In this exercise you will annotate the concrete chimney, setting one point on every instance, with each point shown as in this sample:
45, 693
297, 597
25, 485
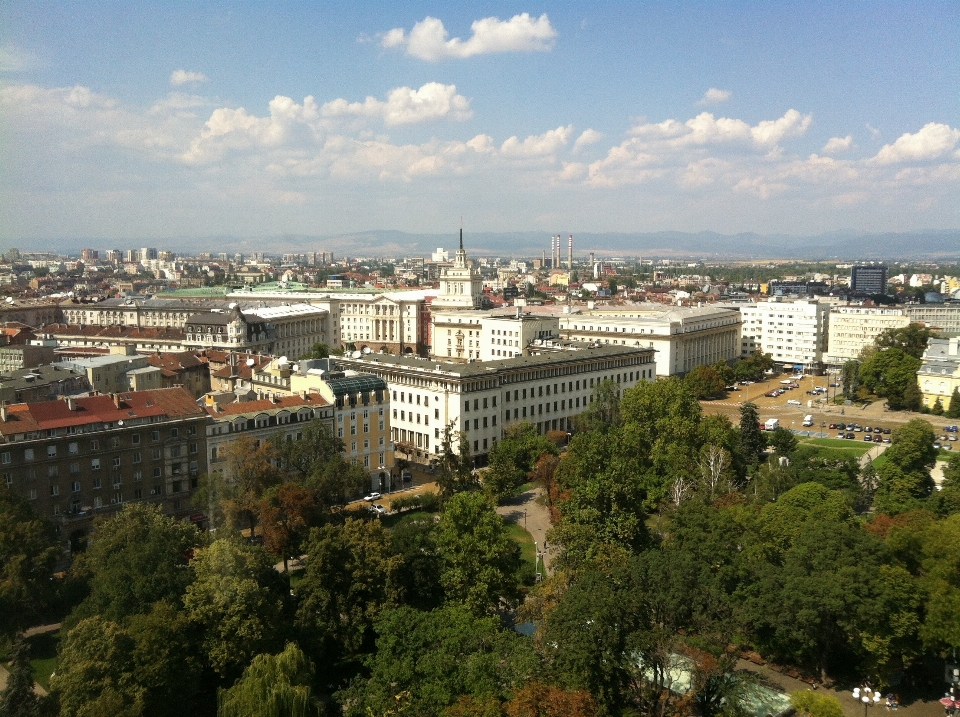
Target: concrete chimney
570, 253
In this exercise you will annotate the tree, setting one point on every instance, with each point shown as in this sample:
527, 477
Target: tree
911, 339
604, 410
479, 560
317, 446
705, 382
95, 673
272, 686
904, 478
455, 470
513, 458
251, 469
851, 379
953, 408
236, 600
940, 556
28, 550
287, 512
937, 408
318, 351
752, 440
18, 698
418, 576
888, 373
537, 699
350, 578
783, 441
138, 557
432, 658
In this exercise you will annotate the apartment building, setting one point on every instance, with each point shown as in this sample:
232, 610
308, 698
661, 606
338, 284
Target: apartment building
548, 388
944, 317
794, 333
854, 328
466, 336
77, 458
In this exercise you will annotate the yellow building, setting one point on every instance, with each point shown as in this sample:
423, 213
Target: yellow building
939, 374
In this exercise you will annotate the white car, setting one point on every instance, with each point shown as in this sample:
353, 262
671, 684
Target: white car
794, 402
372, 497
378, 509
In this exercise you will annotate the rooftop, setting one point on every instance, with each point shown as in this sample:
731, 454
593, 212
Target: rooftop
253, 408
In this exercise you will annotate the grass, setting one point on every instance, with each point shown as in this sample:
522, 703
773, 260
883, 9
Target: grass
833, 446
522, 538
43, 656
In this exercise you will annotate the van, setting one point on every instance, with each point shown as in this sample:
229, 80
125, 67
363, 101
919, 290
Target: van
808, 420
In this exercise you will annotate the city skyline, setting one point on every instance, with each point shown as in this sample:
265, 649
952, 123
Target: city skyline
180, 120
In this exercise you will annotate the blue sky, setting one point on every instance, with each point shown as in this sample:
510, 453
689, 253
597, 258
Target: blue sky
151, 120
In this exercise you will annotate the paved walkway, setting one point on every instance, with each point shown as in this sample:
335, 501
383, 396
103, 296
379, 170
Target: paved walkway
39, 630
529, 511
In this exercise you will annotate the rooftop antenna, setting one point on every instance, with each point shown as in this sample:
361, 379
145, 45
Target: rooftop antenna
461, 232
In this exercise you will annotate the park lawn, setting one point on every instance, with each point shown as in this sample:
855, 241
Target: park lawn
834, 446
43, 656
522, 538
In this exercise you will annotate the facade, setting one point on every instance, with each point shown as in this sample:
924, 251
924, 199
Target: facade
868, 279
683, 337
77, 458
854, 328
108, 374
481, 399
293, 329
361, 405
794, 333
14, 358
41, 383
944, 317
939, 373
229, 329
261, 420
104, 337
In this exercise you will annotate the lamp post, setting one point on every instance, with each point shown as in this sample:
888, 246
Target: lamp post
867, 696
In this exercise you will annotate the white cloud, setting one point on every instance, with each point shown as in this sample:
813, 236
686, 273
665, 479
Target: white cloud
792, 124
713, 96
404, 105
836, 145
929, 142
428, 38
586, 138
540, 145
183, 77
874, 132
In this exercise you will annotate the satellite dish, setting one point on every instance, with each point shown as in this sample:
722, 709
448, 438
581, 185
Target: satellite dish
356, 354
69, 293
283, 360
232, 306
366, 349
250, 362
120, 422
295, 368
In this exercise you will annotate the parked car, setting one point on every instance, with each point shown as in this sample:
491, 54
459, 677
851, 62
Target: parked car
937, 446
407, 476
878, 430
378, 509
850, 436
886, 431
868, 439
842, 426
794, 402
372, 497
877, 439
886, 440
867, 429
832, 426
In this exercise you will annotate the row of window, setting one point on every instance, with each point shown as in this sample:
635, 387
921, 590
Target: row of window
94, 445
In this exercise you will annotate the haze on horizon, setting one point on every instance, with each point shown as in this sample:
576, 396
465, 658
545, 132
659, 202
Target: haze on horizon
150, 120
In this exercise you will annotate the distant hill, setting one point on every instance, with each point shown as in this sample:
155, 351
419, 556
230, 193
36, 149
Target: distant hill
936, 244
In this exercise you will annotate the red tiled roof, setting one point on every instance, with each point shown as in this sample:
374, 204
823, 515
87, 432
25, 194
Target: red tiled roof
45, 415
172, 363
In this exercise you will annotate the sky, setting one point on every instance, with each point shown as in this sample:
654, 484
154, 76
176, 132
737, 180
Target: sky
150, 120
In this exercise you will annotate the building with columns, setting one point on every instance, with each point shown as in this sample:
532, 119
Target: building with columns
461, 286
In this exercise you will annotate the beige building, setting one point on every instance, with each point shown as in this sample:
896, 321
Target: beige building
854, 328
110, 373
939, 373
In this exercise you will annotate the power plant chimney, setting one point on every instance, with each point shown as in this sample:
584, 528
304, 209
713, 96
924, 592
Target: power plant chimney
570, 253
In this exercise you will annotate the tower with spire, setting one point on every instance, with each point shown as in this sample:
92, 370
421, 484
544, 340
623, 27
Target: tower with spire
461, 285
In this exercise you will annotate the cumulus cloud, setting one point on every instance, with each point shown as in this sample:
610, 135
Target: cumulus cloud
428, 38
836, 145
933, 140
713, 96
184, 77
539, 145
586, 138
404, 105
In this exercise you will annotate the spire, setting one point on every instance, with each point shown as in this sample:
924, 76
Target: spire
461, 238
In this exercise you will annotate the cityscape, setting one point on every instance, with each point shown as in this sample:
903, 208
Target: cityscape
313, 410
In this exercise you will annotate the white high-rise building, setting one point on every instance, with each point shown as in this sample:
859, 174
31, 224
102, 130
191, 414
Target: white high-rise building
794, 333
853, 328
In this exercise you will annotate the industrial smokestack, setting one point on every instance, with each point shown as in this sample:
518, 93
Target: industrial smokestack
570, 253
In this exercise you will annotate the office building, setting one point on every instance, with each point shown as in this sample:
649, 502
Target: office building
854, 328
794, 333
868, 279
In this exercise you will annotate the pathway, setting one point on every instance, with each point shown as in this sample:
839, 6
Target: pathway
528, 510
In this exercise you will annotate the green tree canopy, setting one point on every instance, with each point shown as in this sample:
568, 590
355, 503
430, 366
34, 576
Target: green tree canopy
138, 557
479, 560
18, 698
888, 373
752, 440
272, 686
236, 600
783, 441
513, 458
28, 550
911, 339
705, 382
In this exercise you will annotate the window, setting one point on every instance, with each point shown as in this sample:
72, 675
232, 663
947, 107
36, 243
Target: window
156, 472
94, 464
174, 432
155, 435
54, 489
116, 462
52, 471
114, 441
51, 451
75, 486
193, 446
28, 454
96, 483
5, 457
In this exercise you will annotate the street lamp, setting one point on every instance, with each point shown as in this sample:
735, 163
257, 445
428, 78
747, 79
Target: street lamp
867, 696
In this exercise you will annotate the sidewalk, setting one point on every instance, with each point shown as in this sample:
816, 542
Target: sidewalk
528, 511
